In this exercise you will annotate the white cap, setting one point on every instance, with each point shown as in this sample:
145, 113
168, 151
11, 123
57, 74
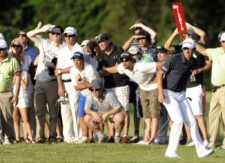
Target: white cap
188, 43
3, 44
70, 31
134, 50
84, 42
222, 38
2, 36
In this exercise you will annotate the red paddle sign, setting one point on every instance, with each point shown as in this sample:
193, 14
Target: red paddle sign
179, 17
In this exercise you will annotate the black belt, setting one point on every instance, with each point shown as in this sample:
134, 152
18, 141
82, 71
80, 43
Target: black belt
68, 80
214, 88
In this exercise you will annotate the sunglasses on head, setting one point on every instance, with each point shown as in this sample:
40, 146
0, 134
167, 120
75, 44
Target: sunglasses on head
16, 46
66, 35
55, 33
94, 89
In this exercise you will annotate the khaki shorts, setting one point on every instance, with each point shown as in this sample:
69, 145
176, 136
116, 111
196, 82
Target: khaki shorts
150, 105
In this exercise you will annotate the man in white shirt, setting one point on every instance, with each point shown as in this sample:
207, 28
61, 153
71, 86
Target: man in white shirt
142, 73
46, 84
65, 86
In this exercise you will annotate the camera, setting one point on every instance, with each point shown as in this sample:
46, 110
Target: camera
63, 99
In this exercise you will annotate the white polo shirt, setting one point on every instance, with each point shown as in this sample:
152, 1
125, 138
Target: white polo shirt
64, 58
88, 74
47, 51
142, 74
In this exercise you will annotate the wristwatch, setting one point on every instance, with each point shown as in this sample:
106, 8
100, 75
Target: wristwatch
59, 72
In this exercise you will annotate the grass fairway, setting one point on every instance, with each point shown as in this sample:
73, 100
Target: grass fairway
99, 153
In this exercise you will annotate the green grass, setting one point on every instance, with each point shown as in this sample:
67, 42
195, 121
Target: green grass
99, 153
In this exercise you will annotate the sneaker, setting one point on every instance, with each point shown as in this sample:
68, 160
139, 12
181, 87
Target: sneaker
205, 153
183, 142
40, 140
189, 143
52, 140
172, 155
100, 138
134, 139
6, 142
59, 139
117, 139
142, 142
205, 143
83, 140
125, 139
110, 140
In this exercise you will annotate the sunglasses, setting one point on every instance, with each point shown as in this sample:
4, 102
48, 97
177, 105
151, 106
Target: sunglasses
125, 60
223, 42
137, 28
2, 49
94, 89
16, 46
66, 35
56, 33
23, 35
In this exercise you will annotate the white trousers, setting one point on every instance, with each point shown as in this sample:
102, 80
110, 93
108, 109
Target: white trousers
180, 112
69, 114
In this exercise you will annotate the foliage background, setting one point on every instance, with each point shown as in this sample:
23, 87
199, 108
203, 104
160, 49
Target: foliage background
92, 17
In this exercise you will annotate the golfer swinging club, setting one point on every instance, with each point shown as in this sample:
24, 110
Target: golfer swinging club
176, 70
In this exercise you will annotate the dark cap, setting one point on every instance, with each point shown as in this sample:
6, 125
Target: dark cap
78, 55
96, 84
161, 49
190, 31
126, 55
102, 37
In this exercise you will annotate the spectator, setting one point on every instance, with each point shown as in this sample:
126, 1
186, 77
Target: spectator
46, 84
65, 87
116, 83
10, 71
106, 109
216, 55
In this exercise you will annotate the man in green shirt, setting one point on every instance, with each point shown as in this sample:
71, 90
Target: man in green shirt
9, 90
217, 104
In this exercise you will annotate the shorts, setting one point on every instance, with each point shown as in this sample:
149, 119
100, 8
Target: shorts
150, 105
24, 102
194, 96
81, 105
122, 93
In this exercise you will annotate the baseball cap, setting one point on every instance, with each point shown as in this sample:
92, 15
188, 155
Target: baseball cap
3, 44
133, 50
84, 42
96, 84
70, 31
190, 31
222, 38
2, 36
78, 55
126, 55
188, 43
102, 37
161, 49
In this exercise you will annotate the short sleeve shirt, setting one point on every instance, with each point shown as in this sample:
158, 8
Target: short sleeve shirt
217, 56
109, 102
48, 51
64, 58
8, 68
177, 71
88, 74
142, 74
